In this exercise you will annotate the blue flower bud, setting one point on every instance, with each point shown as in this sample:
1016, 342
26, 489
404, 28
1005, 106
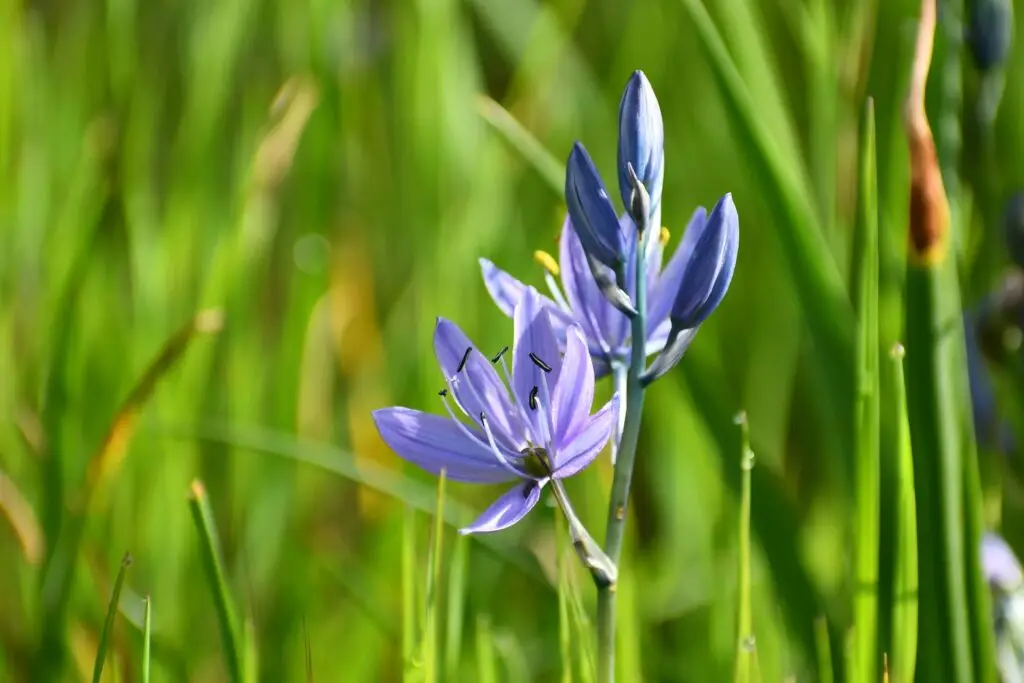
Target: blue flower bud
1014, 227
708, 272
990, 32
641, 142
590, 208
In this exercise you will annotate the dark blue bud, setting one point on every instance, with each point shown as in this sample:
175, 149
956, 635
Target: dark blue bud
1013, 224
708, 273
593, 216
990, 32
641, 141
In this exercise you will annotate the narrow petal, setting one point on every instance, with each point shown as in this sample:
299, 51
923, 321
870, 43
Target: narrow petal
507, 510
533, 335
641, 139
477, 387
503, 288
573, 396
707, 276
580, 449
506, 291
602, 323
659, 303
435, 443
592, 212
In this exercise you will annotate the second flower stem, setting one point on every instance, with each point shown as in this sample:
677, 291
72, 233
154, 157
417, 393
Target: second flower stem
623, 473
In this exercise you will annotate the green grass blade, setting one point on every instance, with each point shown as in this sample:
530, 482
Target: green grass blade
210, 552
524, 142
431, 639
563, 543
904, 607
865, 658
458, 580
745, 654
942, 441
824, 651
409, 610
147, 639
818, 281
486, 658
108, 623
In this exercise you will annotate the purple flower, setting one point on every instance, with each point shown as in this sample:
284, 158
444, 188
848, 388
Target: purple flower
579, 301
532, 428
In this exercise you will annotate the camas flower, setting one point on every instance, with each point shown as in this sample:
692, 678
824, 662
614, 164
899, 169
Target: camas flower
606, 329
536, 428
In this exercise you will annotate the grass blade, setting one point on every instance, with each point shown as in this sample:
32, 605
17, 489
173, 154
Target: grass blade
564, 626
147, 639
818, 281
942, 441
209, 548
745, 655
409, 610
108, 623
486, 659
867, 469
457, 585
431, 639
824, 651
904, 607
524, 142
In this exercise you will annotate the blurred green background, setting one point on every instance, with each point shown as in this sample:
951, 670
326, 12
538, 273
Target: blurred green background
226, 229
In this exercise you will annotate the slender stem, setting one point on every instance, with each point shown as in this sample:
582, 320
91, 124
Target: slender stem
619, 500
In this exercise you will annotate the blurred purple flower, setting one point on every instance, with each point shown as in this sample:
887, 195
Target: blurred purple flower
1001, 567
543, 430
606, 329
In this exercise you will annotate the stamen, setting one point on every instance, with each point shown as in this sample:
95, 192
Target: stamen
523, 418
494, 447
533, 398
664, 236
546, 419
462, 427
539, 363
465, 357
556, 293
547, 261
501, 353
443, 393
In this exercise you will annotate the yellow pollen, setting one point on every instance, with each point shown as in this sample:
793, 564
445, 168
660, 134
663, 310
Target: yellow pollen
665, 234
547, 261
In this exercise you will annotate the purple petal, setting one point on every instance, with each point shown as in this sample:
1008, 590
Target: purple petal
998, 562
503, 288
435, 443
507, 510
506, 291
477, 387
599, 318
580, 449
573, 396
533, 335
659, 303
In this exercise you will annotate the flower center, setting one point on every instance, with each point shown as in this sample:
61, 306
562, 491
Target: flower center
536, 461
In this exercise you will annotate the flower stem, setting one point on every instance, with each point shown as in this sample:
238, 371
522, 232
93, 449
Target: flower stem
623, 475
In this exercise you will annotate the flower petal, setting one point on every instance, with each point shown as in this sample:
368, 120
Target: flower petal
600, 320
579, 450
573, 396
659, 302
435, 443
506, 291
476, 387
507, 510
503, 288
533, 335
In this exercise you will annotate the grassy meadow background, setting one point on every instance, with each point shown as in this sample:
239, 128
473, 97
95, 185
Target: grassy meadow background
226, 229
